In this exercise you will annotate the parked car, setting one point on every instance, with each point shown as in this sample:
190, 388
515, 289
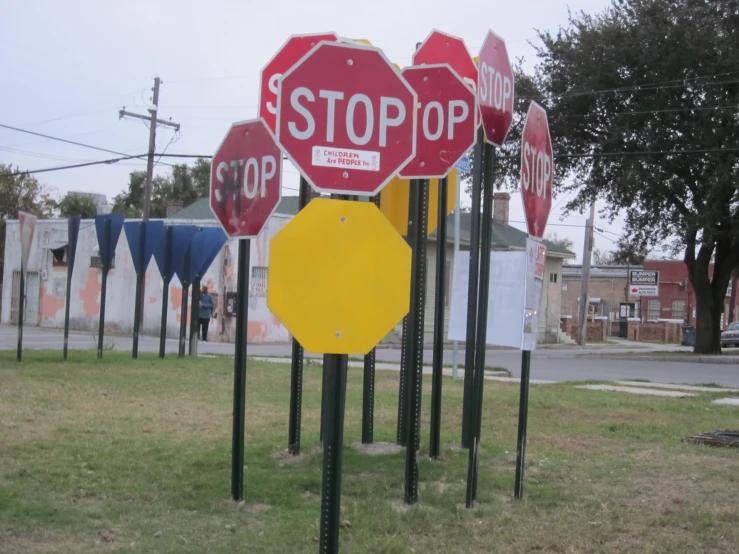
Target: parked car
730, 337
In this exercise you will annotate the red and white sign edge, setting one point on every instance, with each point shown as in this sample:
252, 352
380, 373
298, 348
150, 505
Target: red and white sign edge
536, 106
474, 108
277, 53
513, 83
466, 81
279, 167
27, 229
353, 46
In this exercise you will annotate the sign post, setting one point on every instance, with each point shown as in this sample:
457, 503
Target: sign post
170, 257
142, 237
459, 120
537, 176
108, 228
495, 102
73, 232
346, 119
245, 188
27, 224
322, 262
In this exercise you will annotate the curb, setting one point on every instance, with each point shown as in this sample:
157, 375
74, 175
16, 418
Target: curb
676, 359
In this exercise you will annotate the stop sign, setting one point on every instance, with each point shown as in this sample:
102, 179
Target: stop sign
245, 179
445, 128
495, 89
346, 118
289, 53
537, 170
440, 47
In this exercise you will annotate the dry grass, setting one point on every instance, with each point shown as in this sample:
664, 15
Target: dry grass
123, 456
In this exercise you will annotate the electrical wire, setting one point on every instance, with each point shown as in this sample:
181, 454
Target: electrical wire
86, 164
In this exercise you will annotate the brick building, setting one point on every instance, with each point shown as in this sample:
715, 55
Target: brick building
676, 298
608, 288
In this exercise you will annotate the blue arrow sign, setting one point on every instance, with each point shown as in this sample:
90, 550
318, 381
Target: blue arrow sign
107, 248
153, 239
463, 164
206, 244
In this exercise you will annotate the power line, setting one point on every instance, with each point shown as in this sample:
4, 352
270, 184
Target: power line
86, 164
675, 110
67, 141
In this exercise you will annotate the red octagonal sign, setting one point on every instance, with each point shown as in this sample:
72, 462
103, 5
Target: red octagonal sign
495, 89
288, 55
537, 170
440, 47
346, 118
245, 179
446, 127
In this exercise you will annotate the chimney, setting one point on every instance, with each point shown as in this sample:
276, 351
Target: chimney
501, 200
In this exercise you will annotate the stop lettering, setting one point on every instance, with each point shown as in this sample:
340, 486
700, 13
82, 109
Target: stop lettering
537, 170
445, 129
495, 89
346, 118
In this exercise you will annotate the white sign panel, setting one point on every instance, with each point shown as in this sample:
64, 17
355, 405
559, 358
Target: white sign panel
514, 299
643, 282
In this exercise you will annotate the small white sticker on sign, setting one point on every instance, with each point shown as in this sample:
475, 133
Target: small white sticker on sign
343, 158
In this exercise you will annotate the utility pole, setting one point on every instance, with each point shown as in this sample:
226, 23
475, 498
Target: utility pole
153, 122
587, 254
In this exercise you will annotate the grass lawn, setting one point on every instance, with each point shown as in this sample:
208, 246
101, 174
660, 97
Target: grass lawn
134, 456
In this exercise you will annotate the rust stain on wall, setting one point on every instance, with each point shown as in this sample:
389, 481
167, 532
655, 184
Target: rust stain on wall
90, 293
175, 301
50, 304
256, 331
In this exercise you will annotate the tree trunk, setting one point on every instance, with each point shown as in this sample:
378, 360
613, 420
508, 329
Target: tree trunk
708, 310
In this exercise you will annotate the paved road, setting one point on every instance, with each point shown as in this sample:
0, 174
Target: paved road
555, 364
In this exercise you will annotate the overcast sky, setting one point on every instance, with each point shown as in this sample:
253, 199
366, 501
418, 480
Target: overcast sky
68, 67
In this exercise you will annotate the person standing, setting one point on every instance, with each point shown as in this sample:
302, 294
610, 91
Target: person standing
206, 312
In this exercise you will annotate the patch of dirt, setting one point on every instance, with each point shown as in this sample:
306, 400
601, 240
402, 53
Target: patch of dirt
283, 457
400, 506
242, 506
378, 448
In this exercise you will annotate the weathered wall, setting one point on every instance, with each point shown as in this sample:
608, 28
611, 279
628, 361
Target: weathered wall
86, 284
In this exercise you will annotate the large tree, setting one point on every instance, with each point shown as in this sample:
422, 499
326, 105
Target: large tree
78, 204
21, 192
184, 185
642, 104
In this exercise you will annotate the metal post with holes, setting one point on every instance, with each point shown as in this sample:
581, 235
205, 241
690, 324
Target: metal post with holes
419, 194
165, 289
139, 300
523, 416
21, 310
334, 400
439, 310
183, 310
368, 388
470, 346
103, 290
368, 399
296, 367
73, 230
404, 344
482, 313
239, 404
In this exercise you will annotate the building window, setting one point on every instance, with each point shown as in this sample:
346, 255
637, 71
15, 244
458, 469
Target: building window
552, 277
97, 262
258, 282
678, 309
653, 313
564, 286
59, 257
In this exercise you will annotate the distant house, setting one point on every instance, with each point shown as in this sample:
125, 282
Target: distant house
47, 277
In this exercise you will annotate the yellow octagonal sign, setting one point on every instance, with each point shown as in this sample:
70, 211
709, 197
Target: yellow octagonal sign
339, 277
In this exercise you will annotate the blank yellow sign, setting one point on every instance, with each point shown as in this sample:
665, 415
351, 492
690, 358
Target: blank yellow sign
394, 202
339, 277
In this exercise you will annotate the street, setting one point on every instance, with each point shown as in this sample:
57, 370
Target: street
553, 364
